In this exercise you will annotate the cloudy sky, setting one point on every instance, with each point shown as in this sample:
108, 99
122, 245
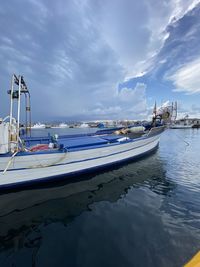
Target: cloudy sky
100, 59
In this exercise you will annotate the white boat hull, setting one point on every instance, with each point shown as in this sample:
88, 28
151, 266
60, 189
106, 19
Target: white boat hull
30, 169
181, 126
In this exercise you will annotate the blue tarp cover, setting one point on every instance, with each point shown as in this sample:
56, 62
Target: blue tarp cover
76, 142
81, 142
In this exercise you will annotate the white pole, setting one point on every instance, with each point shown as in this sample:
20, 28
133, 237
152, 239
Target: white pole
11, 110
11, 99
18, 111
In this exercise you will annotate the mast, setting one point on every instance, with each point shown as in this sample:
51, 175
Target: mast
15, 94
154, 115
174, 111
155, 109
18, 109
26, 92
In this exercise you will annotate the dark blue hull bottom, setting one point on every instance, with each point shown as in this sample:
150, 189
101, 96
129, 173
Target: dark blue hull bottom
59, 180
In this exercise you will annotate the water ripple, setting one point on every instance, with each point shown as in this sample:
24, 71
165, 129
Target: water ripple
146, 213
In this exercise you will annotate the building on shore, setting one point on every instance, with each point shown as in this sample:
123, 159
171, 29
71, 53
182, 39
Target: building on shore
193, 122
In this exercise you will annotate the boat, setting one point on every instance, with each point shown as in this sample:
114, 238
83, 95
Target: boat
179, 126
26, 160
38, 126
83, 125
184, 123
48, 126
61, 125
196, 126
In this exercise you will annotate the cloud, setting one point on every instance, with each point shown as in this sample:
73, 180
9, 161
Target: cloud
137, 39
129, 103
192, 110
73, 54
181, 8
187, 78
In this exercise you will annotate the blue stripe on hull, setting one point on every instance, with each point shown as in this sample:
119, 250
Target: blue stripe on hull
62, 177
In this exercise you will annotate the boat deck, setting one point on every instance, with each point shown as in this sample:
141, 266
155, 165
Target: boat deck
85, 141
74, 143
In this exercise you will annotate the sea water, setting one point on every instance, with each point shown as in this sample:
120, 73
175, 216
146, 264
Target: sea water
145, 213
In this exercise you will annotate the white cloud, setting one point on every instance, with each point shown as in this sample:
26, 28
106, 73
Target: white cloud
132, 95
136, 31
187, 78
75, 53
129, 103
182, 7
193, 111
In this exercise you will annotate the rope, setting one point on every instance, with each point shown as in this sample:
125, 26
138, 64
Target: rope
182, 139
9, 162
40, 165
48, 165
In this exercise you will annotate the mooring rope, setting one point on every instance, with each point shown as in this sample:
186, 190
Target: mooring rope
180, 137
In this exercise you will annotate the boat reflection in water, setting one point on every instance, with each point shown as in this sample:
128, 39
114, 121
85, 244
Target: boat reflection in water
22, 213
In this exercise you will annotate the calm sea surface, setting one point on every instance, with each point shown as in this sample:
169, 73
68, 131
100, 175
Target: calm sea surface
146, 213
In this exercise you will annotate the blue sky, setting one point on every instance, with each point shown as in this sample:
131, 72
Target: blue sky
99, 59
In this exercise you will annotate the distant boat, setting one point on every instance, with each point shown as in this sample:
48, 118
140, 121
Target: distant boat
38, 126
84, 125
101, 125
63, 125
180, 126
183, 123
197, 126
29, 160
